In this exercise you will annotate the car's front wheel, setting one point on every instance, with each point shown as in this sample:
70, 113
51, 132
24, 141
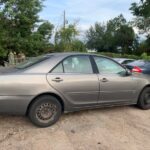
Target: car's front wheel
144, 100
45, 111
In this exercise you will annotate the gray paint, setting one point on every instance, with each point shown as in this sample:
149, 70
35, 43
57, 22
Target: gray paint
78, 91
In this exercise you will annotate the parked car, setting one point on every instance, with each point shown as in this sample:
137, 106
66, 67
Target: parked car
123, 60
140, 66
45, 87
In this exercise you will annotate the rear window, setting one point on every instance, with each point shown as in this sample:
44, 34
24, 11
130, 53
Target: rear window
127, 61
32, 61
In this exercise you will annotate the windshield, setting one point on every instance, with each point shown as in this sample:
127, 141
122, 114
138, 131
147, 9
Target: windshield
127, 61
32, 61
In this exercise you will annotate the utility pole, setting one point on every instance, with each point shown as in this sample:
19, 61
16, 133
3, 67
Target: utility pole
64, 19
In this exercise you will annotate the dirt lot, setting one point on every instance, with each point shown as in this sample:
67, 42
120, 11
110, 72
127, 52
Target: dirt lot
119, 128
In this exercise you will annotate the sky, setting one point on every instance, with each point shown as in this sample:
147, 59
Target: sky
85, 12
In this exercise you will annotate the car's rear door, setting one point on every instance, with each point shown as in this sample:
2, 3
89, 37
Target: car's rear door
75, 80
115, 85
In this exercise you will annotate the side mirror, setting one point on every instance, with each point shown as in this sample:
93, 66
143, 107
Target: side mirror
128, 72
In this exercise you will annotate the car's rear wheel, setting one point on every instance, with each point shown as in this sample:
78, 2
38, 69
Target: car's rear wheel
144, 100
45, 111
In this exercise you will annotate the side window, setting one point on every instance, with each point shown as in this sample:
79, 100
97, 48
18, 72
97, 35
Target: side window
108, 66
58, 69
77, 64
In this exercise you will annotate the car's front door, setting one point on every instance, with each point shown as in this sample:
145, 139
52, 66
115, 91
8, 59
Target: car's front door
74, 79
115, 85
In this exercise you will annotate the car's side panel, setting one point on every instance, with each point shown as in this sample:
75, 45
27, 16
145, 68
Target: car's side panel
14, 104
78, 89
117, 88
17, 91
142, 82
23, 84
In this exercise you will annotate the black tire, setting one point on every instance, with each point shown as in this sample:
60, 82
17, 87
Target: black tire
45, 111
144, 100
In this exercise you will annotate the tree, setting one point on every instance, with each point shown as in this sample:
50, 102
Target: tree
95, 37
142, 12
125, 37
45, 29
143, 47
142, 21
65, 38
115, 23
108, 37
20, 29
38, 42
113, 27
78, 45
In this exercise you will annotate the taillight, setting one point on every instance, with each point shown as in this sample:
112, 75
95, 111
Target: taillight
137, 69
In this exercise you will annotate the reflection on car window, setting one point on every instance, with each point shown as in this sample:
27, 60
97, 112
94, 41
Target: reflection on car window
108, 66
74, 64
77, 64
58, 69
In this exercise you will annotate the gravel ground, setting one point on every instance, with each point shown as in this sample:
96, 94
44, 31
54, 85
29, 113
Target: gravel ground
119, 128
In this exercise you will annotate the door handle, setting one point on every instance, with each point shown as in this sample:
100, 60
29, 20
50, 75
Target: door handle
104, 80
57, 79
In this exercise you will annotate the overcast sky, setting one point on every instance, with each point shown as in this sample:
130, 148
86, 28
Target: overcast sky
87, 12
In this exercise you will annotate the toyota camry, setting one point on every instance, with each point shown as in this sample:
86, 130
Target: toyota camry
44, 87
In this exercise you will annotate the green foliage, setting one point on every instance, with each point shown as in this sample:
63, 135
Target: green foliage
45, 29
95, 37
142, 12
144, 56
78, 46
109, 37
115, 55
142, 48
22, 30
19, 30
65, 39
125, 37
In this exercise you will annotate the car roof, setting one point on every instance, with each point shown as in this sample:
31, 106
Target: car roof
123, 59
73, 53
48, 64
139, 62
68, 53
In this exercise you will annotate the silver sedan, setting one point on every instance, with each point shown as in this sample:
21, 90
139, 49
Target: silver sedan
44, 87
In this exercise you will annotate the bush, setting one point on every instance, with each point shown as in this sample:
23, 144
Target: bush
144, 56
116, 55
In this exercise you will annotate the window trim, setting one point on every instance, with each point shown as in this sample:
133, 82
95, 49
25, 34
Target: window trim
97, 70
90, 59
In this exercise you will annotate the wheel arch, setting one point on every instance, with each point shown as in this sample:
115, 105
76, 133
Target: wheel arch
148, 85
43, 94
